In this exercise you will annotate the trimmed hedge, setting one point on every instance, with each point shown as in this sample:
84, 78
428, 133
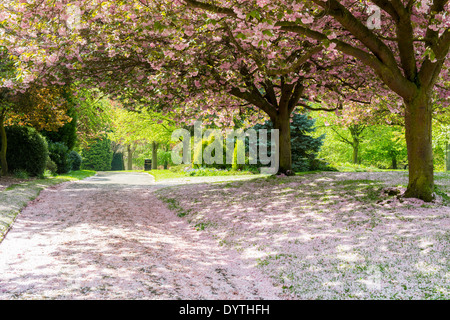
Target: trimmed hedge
27, 150
59, 154
76, 160
117, 162
98, 156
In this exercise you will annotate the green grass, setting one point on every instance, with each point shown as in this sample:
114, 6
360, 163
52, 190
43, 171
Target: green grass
173, 205
76, 175
168, 174
14, 198
165, 174
351, 167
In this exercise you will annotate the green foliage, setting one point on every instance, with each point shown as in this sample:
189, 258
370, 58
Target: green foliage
75, 159
379, 146
441, 139
141, 126
351, 167
66, 134
21, 174
93, 115
51, 166
59, 154
385, 147
144, 151
199, 154
208, 172
235, 165
181, 168
117, 162
164, 158
27, 150
97, 156
304, 145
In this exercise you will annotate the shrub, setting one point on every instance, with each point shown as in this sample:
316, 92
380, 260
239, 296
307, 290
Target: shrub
59, 154
27, 150
117, 162
21, 174
304, 146
76, 160
321, 165
98, 156
180, 168
164, 158
51, 166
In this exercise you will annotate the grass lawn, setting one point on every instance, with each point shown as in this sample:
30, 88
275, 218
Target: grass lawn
161, 175
165, 174
329, 235
16, 196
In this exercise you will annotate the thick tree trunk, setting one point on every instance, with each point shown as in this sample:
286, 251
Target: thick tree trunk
447, 156
129, 157
355, 156
283, 124
394, 163
154, 156
419, 144
4, 163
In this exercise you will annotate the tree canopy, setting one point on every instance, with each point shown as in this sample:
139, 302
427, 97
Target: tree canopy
221, 58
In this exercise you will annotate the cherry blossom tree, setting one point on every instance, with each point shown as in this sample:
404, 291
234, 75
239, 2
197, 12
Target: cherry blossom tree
215, 58
42, 108
217, 66
404, 43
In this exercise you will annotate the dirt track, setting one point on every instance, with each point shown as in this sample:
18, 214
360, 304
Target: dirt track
109, 237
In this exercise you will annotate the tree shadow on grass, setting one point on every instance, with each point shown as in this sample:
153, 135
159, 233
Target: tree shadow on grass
325, 237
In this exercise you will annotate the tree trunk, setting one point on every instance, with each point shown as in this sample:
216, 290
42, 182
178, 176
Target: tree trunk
355, 156
283, 124
129, 157
4, 163
154, 156
419, 144
447, 156
394, 163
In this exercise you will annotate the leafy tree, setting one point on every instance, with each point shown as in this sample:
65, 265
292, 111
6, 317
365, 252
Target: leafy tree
37, 106
93, 114
255, 54
408, 52
354, 138
385, 146
140, 127
305, 146
66, 134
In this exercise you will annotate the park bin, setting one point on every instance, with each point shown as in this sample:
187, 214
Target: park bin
148, 164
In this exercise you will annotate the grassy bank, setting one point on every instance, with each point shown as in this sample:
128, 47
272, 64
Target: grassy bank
15, 197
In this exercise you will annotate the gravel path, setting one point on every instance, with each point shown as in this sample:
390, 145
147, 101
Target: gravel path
109, 237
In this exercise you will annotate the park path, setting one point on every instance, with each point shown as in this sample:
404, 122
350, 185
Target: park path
109, 237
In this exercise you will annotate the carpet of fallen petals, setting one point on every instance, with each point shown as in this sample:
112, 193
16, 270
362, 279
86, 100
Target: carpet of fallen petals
109, 237
329, 235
